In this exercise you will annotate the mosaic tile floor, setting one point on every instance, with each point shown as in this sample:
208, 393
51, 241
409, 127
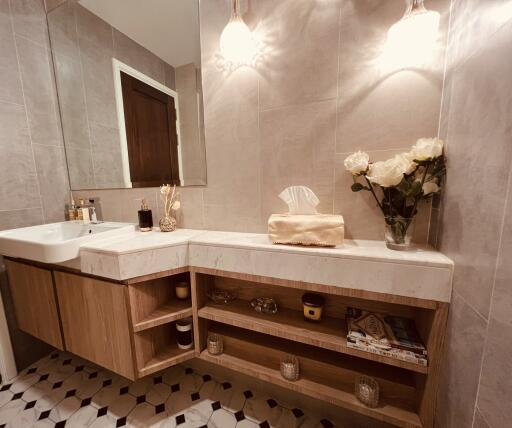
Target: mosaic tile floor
62, 390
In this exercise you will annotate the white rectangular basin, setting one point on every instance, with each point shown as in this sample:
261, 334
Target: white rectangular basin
56, 242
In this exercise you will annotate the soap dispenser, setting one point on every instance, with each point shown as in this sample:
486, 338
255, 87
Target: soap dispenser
145, 217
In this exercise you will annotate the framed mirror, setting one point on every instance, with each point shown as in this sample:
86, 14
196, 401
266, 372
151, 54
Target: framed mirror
128, 76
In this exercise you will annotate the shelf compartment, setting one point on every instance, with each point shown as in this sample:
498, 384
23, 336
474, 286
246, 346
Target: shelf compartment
169, 312
156, 349
290, 324
325, 375
153, 302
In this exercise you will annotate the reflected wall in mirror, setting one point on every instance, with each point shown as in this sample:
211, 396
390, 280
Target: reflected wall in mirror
128, 77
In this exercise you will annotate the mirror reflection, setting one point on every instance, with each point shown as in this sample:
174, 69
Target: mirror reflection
128, 77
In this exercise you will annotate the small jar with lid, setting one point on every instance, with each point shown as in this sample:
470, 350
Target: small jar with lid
182, 290
313, 306
184, 335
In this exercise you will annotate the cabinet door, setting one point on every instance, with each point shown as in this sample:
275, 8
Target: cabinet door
34, 300
95, 321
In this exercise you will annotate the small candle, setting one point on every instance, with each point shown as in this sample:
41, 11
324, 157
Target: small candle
182, 291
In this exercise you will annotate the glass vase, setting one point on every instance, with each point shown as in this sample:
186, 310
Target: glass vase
398, 232
167, 224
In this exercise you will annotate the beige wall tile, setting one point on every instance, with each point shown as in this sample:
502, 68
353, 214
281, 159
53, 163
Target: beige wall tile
20, 218
94, 30
473, 23
52, 175
495, 386
39, 91
464, 348
297, 148
52, 4
81, 171
300, 63
62, 27
383, 108
131, 53
480, 422
474, 202
10, 83
29, 20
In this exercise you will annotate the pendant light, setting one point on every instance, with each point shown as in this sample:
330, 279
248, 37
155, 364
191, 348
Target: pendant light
416, 33
237, 44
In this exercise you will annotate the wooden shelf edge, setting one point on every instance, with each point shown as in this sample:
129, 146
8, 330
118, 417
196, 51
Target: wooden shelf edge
322, 340
154, 321
390, 414
153, 367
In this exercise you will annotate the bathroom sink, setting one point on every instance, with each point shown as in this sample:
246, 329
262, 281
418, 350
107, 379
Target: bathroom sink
56, 242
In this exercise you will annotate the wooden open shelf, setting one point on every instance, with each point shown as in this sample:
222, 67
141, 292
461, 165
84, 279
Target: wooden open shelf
325, 375
156, 349
290, 324
168, 312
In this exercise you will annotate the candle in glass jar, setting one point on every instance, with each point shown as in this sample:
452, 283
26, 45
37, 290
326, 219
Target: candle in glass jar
182, 291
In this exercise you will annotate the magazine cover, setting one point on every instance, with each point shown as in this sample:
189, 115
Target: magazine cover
385, 334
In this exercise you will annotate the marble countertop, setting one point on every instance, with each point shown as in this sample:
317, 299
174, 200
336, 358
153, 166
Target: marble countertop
420, 272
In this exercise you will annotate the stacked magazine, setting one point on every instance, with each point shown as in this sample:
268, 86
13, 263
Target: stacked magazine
386, 335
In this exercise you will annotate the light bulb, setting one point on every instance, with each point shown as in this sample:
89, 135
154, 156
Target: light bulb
237, 44
412, 39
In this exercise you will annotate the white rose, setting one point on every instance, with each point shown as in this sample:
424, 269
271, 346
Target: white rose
407, 162
357, 162
427, 148
388, 173
176, 205
430, 187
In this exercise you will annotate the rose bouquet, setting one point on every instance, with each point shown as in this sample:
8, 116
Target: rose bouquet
399, 184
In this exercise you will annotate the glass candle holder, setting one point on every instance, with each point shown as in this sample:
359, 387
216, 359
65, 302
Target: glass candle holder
215, 345
290, 369
367, 391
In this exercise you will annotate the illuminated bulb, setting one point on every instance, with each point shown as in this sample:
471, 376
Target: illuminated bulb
237, 43
412, 39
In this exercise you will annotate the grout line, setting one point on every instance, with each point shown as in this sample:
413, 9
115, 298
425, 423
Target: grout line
496, 269
292, 105
336, 112
20, 209
26, 113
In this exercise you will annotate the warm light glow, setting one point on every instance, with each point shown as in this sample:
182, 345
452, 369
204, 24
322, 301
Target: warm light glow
237, 43
411, 41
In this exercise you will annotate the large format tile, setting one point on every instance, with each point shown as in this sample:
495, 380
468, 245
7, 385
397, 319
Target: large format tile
463, 356
20, 189
63, 31
301, 46
39, 90
381, 108
495, 386
473, 202
473, 23
52, 174
297, 147
131, 53
29, 19
10, 84
94, 30
20, 218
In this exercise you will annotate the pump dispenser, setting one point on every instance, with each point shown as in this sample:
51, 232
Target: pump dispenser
145, 217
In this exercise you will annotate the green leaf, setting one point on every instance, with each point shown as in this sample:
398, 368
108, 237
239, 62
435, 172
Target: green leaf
416, 188
357, 187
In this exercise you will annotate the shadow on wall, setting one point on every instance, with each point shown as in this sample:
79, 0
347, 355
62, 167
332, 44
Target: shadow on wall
27, 349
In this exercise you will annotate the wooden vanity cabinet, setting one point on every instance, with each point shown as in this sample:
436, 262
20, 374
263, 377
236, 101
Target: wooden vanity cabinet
35, 304
95, 321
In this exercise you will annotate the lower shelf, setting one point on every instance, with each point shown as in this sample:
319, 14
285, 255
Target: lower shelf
387, 413
166, 357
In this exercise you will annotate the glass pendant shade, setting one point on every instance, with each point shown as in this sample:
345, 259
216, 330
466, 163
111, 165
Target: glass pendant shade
236, 41
416, 32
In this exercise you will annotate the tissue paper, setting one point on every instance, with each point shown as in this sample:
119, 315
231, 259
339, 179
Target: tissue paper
300, 200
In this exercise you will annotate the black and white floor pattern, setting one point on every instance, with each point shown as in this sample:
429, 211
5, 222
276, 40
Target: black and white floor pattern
62, 390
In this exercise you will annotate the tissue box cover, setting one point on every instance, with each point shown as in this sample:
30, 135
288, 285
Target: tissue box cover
323, 230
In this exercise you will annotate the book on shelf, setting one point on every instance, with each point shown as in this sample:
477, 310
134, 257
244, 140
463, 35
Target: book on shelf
386, 335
